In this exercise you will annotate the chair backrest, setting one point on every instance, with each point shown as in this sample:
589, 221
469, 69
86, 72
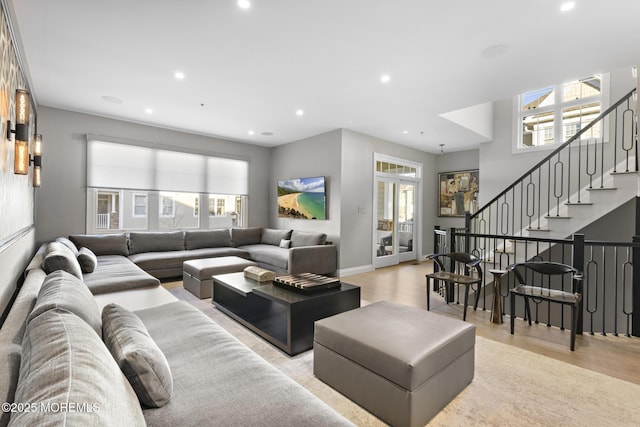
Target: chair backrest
548, 268
467, 260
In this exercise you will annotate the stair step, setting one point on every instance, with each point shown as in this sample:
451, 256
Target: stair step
578, 204
557, 217
537, 229
601, 188
624, 173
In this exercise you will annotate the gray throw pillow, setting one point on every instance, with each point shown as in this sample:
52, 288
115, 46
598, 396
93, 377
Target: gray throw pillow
58, 256
273, 237
285, 244
63, 290
68, 243
139, 357
87, 259
65, 364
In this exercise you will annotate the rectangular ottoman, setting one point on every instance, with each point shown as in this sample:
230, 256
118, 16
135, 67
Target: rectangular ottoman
197, 273
403, 364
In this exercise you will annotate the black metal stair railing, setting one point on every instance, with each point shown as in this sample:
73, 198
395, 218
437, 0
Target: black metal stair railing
607, 144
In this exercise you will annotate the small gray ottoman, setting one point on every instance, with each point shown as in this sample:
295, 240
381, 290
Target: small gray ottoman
403, 364
197, 273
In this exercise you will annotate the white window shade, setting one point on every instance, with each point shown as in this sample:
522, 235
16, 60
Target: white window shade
119, 166
115, 165
227, 176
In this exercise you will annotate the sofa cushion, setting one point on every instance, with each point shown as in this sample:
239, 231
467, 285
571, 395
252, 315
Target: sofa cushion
273, 237
87, 259
207, 239
68, 243
246, 236
117, 273
138, 356
307, 238
102, 244
58, 256
63, 290
65, 364
156, 242
218, 380
268, 254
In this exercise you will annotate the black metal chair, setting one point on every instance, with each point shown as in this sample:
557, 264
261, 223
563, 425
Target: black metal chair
461, 262
534, 289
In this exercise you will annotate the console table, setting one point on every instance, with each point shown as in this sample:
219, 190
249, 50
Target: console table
282, 317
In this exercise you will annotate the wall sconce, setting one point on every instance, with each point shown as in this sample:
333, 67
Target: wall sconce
21, 154
37, 160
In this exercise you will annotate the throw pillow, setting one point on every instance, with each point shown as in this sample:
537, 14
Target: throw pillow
64, 363
63, 290
138, 356
286, 244
87, 259
68, 243
57, 256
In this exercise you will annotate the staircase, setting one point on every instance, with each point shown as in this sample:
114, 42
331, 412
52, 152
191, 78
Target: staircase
587, 177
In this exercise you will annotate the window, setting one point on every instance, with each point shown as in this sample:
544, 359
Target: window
167, 206
139, 205
162, 189
555, 114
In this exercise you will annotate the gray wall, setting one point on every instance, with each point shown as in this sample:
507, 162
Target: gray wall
450, 162
61, 201
13, 260
315, 156
356, 226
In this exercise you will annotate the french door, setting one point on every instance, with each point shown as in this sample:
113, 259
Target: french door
395, 234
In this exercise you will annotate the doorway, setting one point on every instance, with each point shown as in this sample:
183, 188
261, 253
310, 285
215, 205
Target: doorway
396, 211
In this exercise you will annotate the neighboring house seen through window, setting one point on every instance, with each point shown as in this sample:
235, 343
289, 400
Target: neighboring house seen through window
555, 114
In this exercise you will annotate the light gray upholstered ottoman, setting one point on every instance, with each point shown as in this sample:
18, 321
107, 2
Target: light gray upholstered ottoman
401, 363
197, 273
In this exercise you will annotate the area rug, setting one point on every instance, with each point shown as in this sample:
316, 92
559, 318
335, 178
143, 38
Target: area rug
511, 386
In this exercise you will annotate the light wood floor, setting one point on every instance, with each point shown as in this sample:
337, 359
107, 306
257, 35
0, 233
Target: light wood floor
405, 284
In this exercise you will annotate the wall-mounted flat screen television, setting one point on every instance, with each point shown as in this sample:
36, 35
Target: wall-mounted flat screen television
302, 198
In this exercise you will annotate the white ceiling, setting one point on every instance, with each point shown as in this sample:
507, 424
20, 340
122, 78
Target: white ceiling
252, 69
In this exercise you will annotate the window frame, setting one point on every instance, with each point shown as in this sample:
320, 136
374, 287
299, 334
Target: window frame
134, 205
557, 109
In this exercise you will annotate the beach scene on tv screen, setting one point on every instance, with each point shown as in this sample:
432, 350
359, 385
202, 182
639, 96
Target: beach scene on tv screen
302, 198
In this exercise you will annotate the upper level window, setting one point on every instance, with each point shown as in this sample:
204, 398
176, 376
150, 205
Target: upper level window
555, 114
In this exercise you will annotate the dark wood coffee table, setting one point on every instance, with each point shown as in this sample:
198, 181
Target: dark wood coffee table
282, 317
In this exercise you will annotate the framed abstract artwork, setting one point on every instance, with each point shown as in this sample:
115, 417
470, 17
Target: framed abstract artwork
458, 192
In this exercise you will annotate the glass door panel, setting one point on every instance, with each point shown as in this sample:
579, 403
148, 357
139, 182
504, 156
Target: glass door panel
386, 207
406, 214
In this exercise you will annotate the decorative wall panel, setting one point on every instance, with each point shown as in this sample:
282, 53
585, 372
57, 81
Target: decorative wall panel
16, 191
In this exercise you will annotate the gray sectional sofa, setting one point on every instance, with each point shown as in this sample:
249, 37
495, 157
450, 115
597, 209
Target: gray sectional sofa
161, 254
59, 363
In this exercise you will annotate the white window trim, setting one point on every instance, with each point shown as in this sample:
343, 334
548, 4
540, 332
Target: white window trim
557, 108
146, 205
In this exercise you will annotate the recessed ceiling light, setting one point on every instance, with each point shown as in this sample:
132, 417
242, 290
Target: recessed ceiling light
299, 112
244, 4
405, 132
385, 78
179, 75
148, 111
567, 6
112, 99
251, 132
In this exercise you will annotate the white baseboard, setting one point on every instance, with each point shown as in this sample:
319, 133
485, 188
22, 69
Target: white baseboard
355, 270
